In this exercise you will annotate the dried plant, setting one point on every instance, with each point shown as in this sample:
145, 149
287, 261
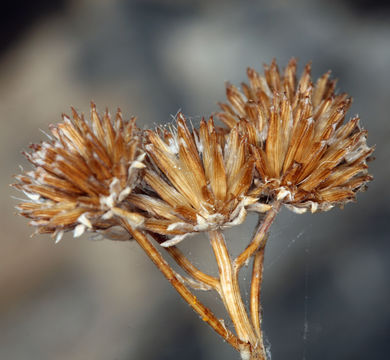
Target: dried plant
285, 143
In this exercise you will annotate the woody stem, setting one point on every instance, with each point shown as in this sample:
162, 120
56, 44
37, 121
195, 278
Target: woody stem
204, 312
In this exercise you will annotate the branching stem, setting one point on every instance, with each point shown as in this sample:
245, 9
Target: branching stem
249, 341
204, 312
229, 288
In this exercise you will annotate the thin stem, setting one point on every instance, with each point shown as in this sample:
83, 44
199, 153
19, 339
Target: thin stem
257, 278
182, 261
204, 312
192, 270
258, 239
257, 248
193, 284
230, 291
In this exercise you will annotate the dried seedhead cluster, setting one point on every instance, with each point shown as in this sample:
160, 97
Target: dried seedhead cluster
285, 141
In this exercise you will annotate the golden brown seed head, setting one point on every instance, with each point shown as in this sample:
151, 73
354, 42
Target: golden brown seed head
306, 155
196, 181
84, 170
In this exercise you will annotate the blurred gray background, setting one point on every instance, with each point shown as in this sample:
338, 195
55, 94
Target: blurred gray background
326, 293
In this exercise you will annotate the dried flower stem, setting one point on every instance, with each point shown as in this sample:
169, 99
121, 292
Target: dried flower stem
257, 278
197, 274
258, 243
204, 312
187, 265
258, 239
230, 293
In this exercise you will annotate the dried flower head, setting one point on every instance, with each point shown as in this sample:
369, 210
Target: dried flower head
80, 174
306, 156
198, 181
